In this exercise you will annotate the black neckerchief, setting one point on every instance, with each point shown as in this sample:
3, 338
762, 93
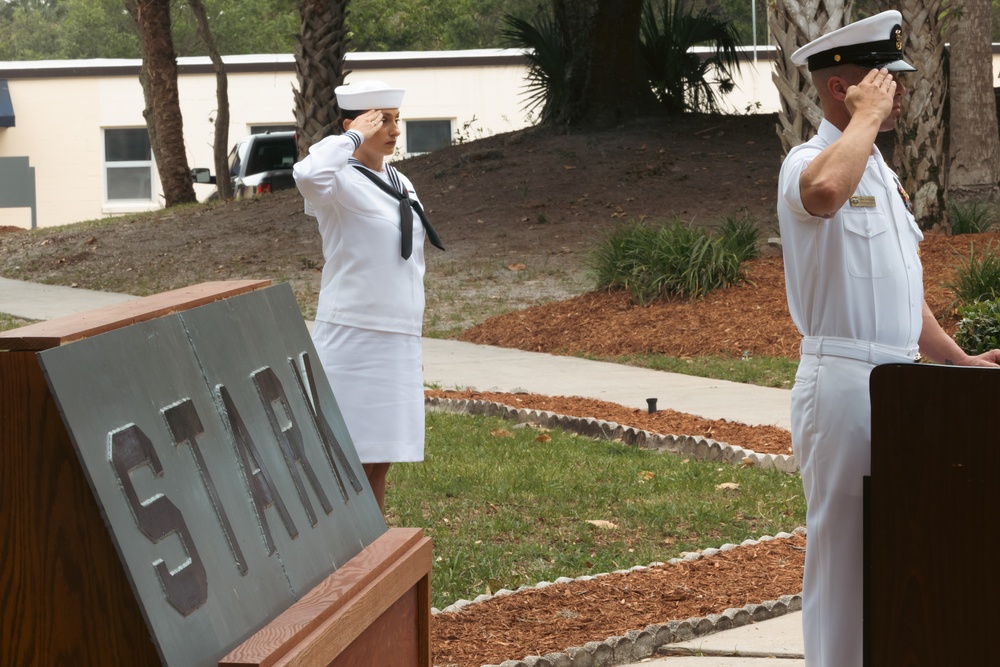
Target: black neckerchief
406, 208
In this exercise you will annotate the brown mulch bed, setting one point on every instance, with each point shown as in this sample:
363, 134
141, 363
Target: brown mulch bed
751, 317
552, 619
761, 439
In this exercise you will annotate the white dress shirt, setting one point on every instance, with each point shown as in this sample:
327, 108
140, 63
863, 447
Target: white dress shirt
857, 274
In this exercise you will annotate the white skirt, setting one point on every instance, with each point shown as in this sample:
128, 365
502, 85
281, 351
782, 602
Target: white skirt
377, 379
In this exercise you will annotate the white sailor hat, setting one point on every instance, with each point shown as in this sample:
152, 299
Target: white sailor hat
874, 42
366, 95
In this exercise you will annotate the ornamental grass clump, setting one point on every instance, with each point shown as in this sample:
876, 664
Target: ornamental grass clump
977, 278
979, 329
741, 236
974, 217
674, 260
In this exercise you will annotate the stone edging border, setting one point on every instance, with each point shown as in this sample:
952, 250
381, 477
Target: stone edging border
687, 445
638, 644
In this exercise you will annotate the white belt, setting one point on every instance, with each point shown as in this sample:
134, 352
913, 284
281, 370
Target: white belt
873, 353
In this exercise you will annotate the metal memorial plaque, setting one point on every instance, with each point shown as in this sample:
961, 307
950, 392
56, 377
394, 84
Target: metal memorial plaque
215, 448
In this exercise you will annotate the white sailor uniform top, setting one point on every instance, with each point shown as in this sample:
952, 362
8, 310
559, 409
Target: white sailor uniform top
365, 283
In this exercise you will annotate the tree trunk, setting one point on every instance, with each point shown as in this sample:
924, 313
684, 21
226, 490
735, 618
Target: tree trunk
793, 24
617, 86
575, 21
974, 143
163, 109
607, 77
920, 158
220, 147
319, 67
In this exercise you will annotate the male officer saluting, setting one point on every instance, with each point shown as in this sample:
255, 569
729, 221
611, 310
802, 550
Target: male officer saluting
855, 291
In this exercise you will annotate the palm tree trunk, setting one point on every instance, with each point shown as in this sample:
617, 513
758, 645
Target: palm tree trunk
575, 21
974, 143
319, 67
618, 87
793, 24
163, 109
920, 158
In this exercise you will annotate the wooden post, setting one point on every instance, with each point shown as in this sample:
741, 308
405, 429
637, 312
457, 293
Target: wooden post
373, 611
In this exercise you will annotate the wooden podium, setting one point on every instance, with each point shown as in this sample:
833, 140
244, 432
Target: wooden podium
931, 540
69, 593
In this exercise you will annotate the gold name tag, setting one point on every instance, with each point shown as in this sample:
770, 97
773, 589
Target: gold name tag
863, 202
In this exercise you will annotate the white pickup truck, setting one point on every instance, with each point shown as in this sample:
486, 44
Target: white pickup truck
258, 164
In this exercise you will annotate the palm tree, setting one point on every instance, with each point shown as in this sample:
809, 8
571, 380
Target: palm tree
319, 66
680, 77
548, 63
163, 108
596, 61
794, 24
920, 158
974, 145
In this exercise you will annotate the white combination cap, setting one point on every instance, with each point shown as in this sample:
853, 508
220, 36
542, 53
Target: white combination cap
874, 42
366, 95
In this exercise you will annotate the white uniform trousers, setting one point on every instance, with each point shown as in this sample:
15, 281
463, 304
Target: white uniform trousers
831, 438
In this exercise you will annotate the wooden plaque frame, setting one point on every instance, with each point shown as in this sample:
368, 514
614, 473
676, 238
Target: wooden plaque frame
929, 541
66, 596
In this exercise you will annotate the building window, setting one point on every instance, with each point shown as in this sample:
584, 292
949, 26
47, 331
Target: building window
128, 165
424, 136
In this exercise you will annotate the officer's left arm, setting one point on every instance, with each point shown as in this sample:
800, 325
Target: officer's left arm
938, 346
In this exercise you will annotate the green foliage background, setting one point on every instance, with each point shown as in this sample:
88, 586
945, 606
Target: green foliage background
69, 29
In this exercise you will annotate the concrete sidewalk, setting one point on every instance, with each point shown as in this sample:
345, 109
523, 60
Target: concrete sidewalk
457, 365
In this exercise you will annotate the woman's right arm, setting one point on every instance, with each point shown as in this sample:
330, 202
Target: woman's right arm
315, 175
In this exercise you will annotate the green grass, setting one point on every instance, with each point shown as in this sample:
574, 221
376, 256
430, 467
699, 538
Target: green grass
506, 508
8, 322
764, 371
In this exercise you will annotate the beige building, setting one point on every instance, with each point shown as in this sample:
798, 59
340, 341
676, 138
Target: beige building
73, 143
73, 139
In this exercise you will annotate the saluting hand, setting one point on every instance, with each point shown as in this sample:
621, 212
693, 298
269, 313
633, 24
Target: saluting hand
874, 94
367, 123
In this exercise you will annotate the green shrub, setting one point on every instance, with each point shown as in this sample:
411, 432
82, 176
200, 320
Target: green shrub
681, 79
978, 277
741, 236
973, 217
979, 328
548, 77
673, 260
